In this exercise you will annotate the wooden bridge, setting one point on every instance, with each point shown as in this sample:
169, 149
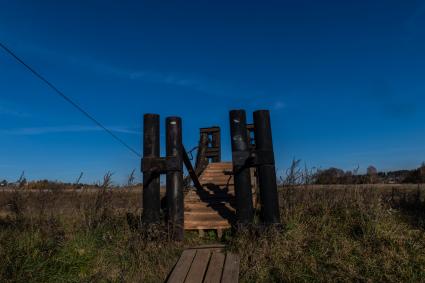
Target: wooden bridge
213, 206
208, 264
223, 193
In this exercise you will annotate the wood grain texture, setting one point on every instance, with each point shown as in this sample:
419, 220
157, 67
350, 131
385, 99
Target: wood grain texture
231, 269
213, 206
215, 268
182, 267
206, 263
199, 266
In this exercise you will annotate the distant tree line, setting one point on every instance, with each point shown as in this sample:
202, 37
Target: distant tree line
107, 182
301, 175
372, 176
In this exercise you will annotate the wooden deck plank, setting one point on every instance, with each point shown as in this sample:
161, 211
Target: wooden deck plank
199, 266
231, 269
213, 207
215, 268
209, 246
211, 214
197, 225
182, 267
201, 206
207, 263
205, 205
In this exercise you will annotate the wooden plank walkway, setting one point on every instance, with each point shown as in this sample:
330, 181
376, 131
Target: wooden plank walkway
213, 207
208, 264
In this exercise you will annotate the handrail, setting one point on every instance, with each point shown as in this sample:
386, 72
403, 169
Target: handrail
190, 169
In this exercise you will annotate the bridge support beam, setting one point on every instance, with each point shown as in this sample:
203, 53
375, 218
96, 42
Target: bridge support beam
151, 185
174, 178
266, 170
242, 174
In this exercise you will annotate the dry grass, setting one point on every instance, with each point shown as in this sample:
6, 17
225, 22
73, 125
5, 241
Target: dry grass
339, 235
328, 234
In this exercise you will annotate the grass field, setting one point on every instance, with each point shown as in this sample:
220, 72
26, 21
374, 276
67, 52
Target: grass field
345, 233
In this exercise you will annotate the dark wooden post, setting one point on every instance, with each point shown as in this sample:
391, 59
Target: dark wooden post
174, 179
201, 160
216, 143
242, 175
266, 170
151, 185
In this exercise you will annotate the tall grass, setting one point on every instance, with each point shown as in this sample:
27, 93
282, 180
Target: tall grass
328, 234
338, 235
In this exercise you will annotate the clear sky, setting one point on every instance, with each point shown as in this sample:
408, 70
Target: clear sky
344, 80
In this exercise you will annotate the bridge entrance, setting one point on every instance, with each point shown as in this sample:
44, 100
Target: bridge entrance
216, 194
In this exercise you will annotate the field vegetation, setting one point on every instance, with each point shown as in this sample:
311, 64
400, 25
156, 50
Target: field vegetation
330, 233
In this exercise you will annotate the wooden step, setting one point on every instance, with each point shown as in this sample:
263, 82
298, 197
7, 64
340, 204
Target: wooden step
210, 195
202, 214
226, 171
211, 191
216, 178
208, 218
223, 212
211, 200
189, 206
226, 179
200, 205
202, 225
220, 164
213, 207
220, 183
206, 197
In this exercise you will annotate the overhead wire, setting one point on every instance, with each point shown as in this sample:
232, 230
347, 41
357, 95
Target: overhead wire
68, 99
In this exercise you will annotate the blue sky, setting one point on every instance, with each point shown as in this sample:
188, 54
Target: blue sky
344, 80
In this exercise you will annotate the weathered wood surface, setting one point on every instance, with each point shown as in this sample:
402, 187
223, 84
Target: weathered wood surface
213, 206
215, 269
231, 269
182, 267
199, 266
209, 264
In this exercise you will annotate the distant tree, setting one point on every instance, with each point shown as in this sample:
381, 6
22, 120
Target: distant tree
348, 178
3, 183
372, 174
330, 176
400, 176
416, 176
371, 170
